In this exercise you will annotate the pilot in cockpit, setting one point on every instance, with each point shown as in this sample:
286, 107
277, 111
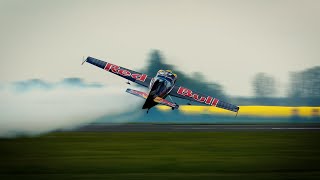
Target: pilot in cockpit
167, 74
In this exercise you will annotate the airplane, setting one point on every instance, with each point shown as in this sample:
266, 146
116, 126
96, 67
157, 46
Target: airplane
160, 86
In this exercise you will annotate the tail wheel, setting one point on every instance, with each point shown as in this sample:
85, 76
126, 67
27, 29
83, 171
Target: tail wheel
177, 107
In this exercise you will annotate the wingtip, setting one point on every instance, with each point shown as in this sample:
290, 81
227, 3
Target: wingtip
238, 108
84, 60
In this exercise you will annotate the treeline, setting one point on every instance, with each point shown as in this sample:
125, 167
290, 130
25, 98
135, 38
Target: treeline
303, 89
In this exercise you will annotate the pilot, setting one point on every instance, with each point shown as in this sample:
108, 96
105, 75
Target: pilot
171, 75
168, 74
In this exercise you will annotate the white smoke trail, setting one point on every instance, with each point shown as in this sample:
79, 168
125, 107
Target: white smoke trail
39, 111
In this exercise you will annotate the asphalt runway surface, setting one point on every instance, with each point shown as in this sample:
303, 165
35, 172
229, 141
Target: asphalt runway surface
194, 128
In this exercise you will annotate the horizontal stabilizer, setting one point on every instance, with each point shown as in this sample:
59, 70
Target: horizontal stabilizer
166, 102
137, 93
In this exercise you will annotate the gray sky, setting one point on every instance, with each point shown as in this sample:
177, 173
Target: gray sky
229, 41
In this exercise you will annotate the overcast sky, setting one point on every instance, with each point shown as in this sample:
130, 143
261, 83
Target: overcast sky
229, 41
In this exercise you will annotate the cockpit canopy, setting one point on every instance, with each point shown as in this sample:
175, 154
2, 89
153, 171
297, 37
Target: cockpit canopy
167, 74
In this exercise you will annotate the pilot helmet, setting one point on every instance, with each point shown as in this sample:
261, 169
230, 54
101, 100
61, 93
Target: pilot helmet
160, 71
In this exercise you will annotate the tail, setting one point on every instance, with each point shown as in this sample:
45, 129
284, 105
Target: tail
166, 103
137, 93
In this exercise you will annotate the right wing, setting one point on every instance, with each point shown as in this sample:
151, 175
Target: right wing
133, 76
185, 93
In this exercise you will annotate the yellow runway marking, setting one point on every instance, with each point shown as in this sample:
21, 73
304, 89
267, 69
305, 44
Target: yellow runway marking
264, 111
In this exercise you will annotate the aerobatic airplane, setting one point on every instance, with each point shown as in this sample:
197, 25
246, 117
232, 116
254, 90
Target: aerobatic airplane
160, 86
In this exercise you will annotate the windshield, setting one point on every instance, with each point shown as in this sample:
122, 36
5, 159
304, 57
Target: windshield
168, 75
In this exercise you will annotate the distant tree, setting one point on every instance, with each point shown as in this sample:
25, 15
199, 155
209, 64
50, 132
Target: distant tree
156, 62
263, 85
198, 75
305, 84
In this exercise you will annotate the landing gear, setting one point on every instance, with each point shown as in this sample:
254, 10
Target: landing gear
174, 103
147, 111
177, 106
189, 103
128, 82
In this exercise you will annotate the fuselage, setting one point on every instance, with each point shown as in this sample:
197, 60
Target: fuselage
160, 86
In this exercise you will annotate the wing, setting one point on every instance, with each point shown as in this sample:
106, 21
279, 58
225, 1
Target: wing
185, 93
133, 76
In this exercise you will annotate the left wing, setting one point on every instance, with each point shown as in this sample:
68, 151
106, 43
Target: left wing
185, 93
133, 76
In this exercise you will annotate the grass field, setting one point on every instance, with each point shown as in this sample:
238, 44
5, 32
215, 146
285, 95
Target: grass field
174, 155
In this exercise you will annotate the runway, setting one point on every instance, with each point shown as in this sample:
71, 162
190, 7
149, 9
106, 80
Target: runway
194, 128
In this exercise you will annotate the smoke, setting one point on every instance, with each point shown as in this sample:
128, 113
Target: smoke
35, 106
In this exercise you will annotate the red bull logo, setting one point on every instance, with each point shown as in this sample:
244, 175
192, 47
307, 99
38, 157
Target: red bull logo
188, 93
122, 72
